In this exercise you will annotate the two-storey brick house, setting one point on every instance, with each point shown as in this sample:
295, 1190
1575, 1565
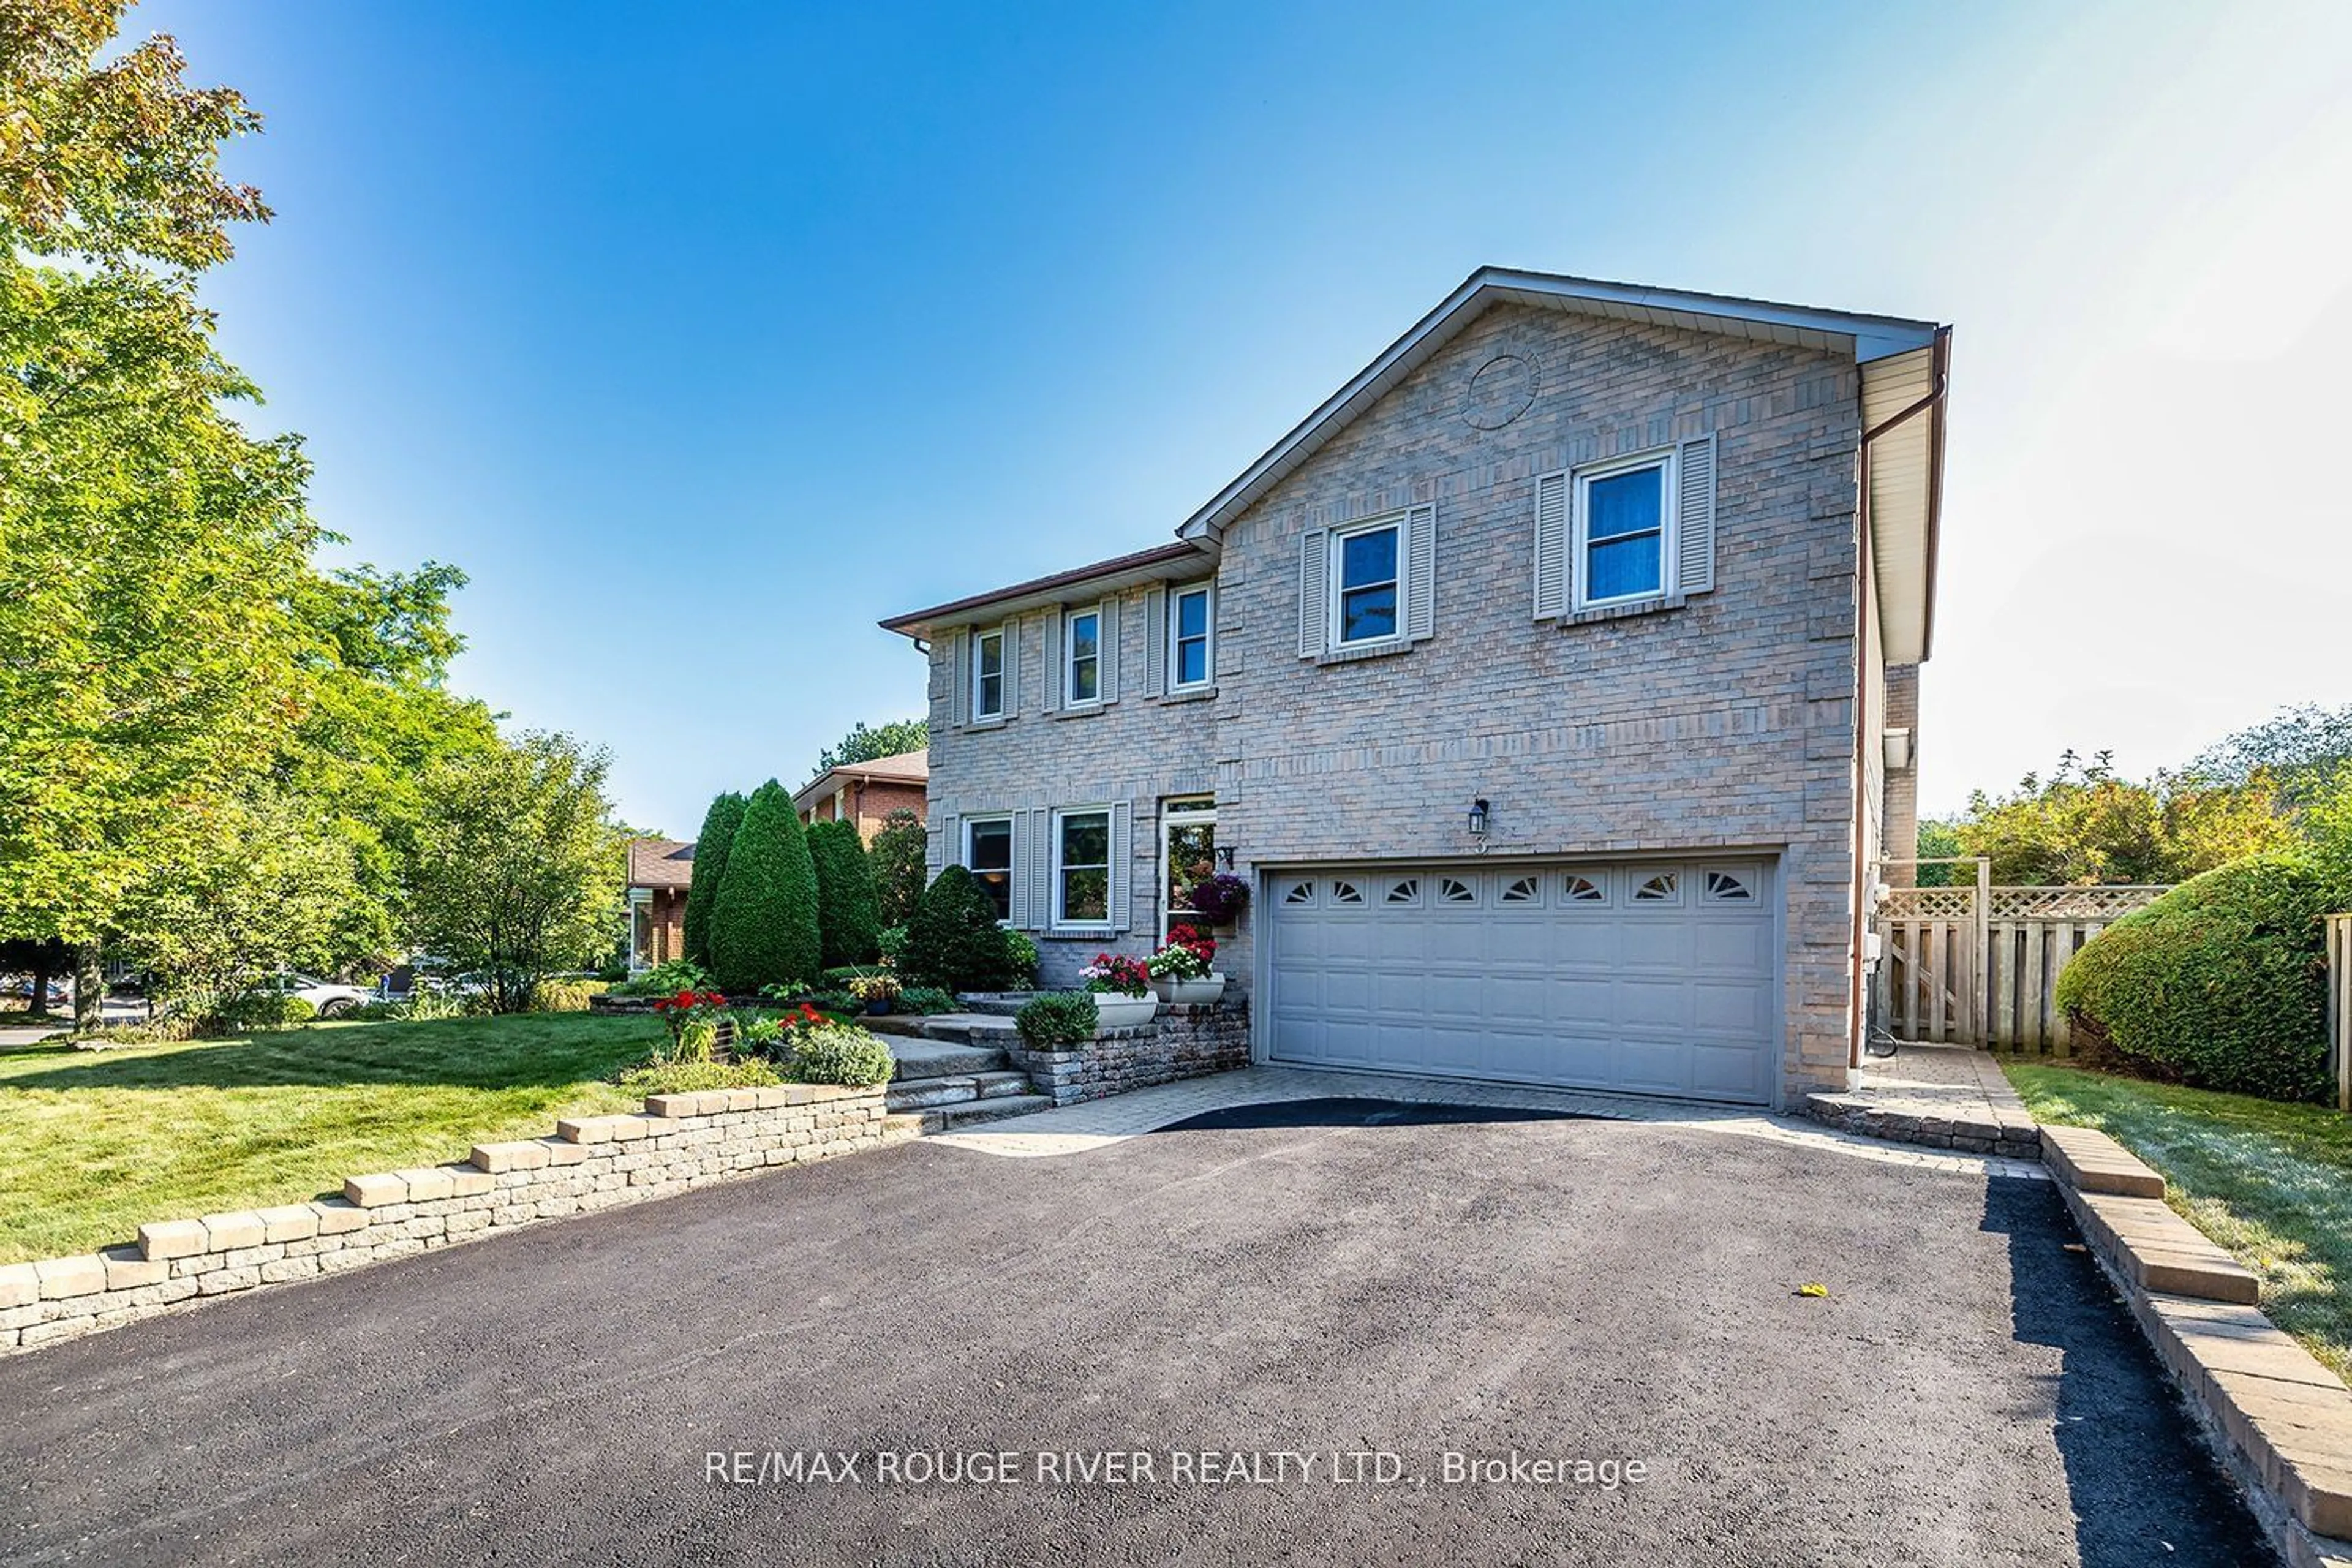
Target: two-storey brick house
1539, 682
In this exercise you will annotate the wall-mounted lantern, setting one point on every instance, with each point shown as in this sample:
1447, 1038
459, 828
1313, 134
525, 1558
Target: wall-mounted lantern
1478, 818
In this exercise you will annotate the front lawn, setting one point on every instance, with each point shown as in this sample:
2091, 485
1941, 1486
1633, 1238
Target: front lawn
2270, 1182
92, 1144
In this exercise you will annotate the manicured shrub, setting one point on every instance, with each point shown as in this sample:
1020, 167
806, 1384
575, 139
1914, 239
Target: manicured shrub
667, 980
763, 927
848, 920
565, 996
926, 999
893, 942
1056, 1021
954, 941
839, 1053
2219, 983
1024, 957
898, 855
719, 826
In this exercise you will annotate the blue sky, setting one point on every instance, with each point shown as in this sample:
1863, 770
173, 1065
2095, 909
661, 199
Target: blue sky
703, 347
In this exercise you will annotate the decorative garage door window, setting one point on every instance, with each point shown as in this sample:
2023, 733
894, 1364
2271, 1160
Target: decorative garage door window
1522, 890
1665, 887
1727, 887
1582, 890
1299, 893
1406, 890
1454, 890
1346, 893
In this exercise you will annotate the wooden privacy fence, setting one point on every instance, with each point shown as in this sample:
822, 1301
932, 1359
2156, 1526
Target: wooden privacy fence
1979, 964
2340, 1007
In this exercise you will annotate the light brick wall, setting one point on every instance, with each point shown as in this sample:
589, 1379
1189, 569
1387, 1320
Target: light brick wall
1726, 723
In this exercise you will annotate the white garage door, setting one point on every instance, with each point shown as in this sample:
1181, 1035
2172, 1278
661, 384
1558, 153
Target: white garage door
1647, 978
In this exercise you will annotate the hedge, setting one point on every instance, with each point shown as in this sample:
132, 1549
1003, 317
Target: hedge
848, 915
720, 824
2219, 983
953, 941
764, 928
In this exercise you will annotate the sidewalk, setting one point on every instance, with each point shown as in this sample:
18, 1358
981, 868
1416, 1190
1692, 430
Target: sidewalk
1941, 1097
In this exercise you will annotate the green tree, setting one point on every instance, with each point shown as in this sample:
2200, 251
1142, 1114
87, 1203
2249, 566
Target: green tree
953, 939
763, 927
849, 919
897, 857
1938, 841
865, 743
2300, 749
518, 868
711, 848
261, 890
2084, 826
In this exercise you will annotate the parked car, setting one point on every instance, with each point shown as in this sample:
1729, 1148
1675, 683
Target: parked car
327, 998
59, 993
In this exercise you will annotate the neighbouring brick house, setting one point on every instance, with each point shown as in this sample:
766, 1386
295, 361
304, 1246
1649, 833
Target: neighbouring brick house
866, 793
1539, 683
660, 871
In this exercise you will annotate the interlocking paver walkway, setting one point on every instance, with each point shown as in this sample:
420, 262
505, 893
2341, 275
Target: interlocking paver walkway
1075, 1129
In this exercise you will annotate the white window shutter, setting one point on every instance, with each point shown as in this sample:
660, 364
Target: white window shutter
1012, 646
1039, 870
1551, 546
1421, 573
1155, 642
1314, 591
1054, 673
1122, 864
1694, 516
960, 676
1107, 646
1018, 873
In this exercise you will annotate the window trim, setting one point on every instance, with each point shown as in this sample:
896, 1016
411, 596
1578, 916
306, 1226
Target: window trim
1061, 921
1335, 627
1011, 856
1002, 632
1174, 815
1664, 459
1176, 639
1070, 657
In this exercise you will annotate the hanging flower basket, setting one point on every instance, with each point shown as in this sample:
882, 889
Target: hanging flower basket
1219, 900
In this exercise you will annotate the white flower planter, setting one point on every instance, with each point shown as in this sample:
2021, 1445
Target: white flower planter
1191, 992
1116, 1012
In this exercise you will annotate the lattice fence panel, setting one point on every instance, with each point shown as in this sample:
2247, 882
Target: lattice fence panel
2070, 903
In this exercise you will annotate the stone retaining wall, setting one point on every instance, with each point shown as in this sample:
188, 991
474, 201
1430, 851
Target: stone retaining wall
680, 1141
1181, 1042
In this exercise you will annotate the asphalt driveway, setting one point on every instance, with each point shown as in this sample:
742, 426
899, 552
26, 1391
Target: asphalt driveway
1209, 1299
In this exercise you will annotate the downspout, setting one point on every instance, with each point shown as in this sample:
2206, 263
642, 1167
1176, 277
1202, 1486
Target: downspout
1866, 627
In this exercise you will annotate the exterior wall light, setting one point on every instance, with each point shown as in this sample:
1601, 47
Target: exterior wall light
1225, 856
1478, 818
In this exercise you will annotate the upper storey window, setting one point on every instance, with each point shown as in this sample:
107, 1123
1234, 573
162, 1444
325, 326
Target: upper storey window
1081, 638
1367, 583
987, 674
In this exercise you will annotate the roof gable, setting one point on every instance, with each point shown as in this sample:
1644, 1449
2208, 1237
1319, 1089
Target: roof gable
1865, 338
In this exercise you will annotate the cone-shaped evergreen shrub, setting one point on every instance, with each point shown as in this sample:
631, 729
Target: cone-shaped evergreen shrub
953, 939
848, 916
763, 927
710, 851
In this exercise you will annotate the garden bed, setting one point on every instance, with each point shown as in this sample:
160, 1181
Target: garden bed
2269, 1182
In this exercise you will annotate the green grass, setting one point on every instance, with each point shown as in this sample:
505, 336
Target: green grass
94, 1144
2271, 1183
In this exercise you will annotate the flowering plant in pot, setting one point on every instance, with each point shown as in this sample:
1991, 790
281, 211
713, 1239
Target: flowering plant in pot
1180, 970
1122, 991
692, 1017
877, 991
1219, 900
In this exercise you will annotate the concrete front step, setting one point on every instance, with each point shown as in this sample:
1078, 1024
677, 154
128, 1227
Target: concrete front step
997, 1108
938, 1059
924, 1093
